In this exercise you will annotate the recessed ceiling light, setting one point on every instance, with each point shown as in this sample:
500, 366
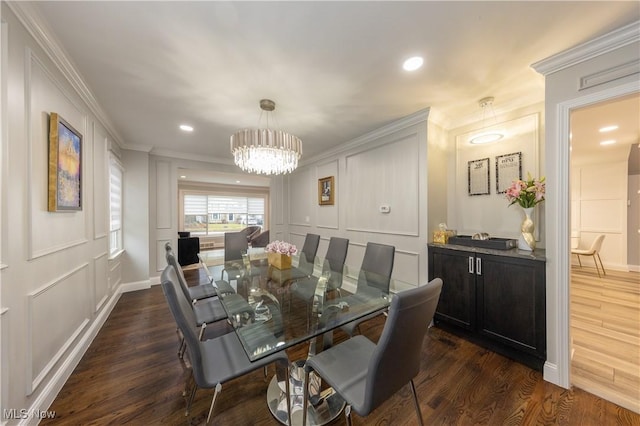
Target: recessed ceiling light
413, 63
608, 142
237, 181
186, 128
608, 129
183, 177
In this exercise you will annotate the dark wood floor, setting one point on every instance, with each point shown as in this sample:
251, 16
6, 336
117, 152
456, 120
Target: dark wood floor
131, 375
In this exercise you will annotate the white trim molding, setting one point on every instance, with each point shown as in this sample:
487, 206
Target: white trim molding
583, 52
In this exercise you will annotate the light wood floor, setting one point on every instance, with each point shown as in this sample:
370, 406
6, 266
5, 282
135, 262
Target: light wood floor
605, 334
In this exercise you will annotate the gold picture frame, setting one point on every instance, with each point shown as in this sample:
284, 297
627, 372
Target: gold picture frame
65, 166
326, 191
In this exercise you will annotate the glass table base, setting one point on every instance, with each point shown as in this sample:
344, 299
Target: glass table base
329, 405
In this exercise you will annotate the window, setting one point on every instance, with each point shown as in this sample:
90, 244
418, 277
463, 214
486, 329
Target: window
208, 214
115, 205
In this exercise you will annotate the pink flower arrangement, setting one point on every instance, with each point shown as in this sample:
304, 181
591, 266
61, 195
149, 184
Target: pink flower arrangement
527, 193
281, 247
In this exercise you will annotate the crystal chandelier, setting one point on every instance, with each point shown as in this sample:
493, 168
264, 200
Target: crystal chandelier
266, 151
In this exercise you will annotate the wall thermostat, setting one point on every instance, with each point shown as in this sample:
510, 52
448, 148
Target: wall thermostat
385, 208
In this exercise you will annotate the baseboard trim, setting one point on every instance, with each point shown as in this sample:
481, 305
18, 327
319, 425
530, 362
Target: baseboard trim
550, 374
134, 286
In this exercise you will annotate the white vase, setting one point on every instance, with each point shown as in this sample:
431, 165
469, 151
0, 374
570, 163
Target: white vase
527, 241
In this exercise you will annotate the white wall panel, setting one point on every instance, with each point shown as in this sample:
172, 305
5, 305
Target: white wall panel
603, 216
277, 201
164, 195
101, 282
49, 232
57, 313
301, 190
604, 181
327, 216
100, 184
384, 175
161, 259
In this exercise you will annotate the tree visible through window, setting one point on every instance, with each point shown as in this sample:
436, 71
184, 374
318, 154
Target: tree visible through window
206, 214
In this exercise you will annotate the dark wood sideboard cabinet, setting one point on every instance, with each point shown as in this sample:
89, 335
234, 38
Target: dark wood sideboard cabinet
495, 298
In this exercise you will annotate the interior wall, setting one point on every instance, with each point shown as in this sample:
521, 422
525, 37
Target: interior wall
54, 282
383, 168
633, 223
601, 69
491, 213
599, 206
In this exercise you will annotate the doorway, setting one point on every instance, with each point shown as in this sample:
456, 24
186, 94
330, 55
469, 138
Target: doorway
605, 310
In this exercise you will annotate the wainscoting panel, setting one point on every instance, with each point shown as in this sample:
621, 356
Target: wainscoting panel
50, 232
327, 215
384, 176
301, 194
163, 195
603, 215
101, 282
115, 273
57, 313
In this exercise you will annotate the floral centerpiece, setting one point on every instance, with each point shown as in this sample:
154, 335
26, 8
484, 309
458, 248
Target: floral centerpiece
279, 254
527, 194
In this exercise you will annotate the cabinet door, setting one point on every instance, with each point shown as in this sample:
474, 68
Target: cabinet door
457, 304
511, 302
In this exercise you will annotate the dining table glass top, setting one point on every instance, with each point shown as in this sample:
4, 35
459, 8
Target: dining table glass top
292, 305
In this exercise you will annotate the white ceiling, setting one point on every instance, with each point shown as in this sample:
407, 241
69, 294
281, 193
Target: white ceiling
333, 68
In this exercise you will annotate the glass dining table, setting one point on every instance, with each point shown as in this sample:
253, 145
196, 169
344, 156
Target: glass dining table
292, 306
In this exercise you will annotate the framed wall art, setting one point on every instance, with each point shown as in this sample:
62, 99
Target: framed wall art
326, 191
65, 166
508, 169
478, 176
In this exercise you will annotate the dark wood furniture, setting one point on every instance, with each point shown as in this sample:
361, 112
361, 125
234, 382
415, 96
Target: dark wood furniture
495, 298
188, 249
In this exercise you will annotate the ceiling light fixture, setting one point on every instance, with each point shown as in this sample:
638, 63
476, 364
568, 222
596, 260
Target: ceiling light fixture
486, 136
413, 63
186, 128
608, 142
608, 129
266, 151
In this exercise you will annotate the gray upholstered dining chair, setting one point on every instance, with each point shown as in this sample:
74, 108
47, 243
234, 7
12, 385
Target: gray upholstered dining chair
593, 251
214, 361
308, 254
202, 291
206, 311
366, 374
333, 265
235, 245
374, 278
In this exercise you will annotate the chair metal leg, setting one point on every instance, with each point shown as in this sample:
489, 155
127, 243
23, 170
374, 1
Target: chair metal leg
597, 268
182, 348
347, 414
601, 265
415, 401
190, 401
579, 261
213, 401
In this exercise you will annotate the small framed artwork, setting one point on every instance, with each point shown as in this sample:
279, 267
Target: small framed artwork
508, 169
326, 191
478, 176
65, 166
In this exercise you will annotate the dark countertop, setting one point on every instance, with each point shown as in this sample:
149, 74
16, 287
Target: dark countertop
537, 254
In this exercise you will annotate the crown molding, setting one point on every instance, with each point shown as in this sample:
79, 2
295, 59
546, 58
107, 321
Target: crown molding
585, 51
417, 117
192, 157
39, 30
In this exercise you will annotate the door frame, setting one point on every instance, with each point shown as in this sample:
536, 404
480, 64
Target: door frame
560, 270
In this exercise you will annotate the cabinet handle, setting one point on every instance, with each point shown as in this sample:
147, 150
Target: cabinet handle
478, 266
471, 264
